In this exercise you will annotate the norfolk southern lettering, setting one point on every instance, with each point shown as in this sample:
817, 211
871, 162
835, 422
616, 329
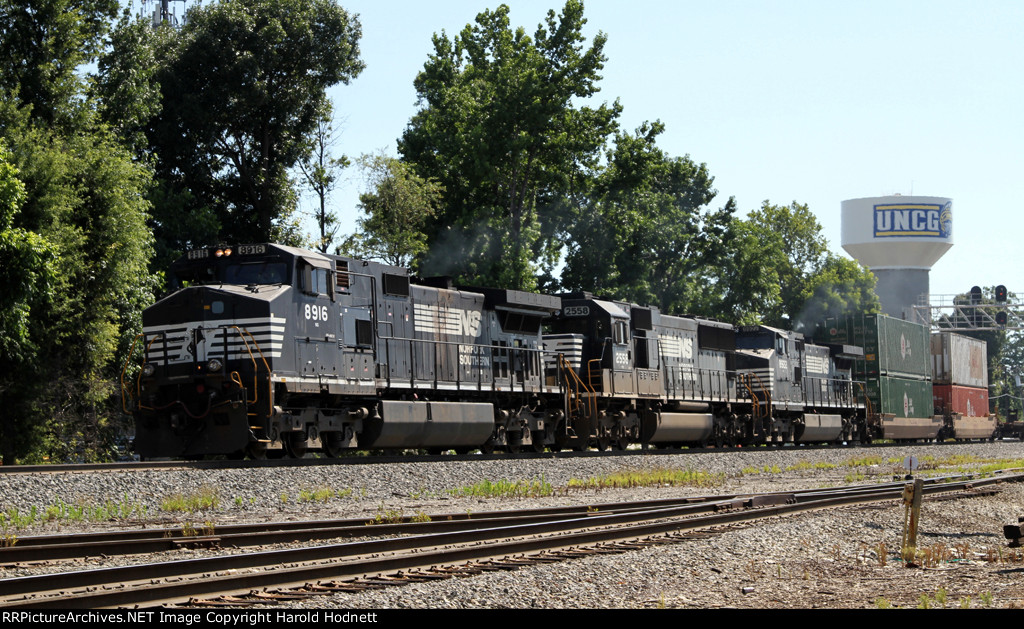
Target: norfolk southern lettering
929, 220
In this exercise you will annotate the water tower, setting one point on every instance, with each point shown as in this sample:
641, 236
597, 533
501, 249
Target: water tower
900, 239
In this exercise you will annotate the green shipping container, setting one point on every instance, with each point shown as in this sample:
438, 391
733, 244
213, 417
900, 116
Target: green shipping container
892, 347
901, 397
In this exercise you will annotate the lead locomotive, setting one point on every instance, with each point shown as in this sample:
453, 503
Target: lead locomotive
267, 348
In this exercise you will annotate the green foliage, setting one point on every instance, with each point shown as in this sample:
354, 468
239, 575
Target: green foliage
202, 500
661, 477
125, 85
646, 234
397, 207
812, 282
85, 201
501, 130
43, 43
243, 85
506, 489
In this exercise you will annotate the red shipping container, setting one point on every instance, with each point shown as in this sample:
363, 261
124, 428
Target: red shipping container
968, 401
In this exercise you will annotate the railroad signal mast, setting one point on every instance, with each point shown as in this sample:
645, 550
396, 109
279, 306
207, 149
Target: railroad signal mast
164, 13
971, 311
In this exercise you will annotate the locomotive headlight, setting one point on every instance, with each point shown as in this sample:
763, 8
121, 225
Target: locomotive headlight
214, 365
148, 369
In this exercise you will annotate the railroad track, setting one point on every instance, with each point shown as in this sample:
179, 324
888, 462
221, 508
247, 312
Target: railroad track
312, 461
410, 551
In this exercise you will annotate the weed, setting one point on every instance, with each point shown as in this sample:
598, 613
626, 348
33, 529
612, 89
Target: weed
965, 602
804, 465
934, 555
420, 517
986, 598
883, 603
506, 489
322, 494
881, 554
940, 596
386, 516
206, 498
8, 540
662, 477
924, 602
837, 552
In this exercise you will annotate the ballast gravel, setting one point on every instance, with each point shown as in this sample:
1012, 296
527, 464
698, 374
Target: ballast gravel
834, 558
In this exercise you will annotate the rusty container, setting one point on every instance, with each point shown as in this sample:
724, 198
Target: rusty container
967, 401
959, 360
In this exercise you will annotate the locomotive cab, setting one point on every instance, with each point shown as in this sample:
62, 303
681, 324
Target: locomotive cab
215, 350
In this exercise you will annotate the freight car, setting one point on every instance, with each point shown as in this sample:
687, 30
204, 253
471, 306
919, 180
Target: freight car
264, 349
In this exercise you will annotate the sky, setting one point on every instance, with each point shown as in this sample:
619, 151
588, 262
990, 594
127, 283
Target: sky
784, 100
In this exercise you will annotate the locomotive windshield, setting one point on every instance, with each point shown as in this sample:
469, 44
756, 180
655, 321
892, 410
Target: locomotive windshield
240, 272
256, 273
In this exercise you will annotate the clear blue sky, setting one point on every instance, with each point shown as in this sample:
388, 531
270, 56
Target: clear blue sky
813, 101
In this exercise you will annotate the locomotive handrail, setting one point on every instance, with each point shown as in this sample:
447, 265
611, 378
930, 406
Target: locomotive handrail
255, 368
745, 379
508, 353
592, 401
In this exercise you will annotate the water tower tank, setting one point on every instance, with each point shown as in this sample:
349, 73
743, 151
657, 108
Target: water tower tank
899, 238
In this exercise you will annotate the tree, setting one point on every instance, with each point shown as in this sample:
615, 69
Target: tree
812, 281
243, 85
500, 128
646, 233
397, 206
320, 173
26, 277
43, 43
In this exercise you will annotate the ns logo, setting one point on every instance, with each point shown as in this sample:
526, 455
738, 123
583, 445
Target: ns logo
469, 321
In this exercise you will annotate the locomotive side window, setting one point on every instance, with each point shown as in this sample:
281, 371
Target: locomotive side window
621, 332
317, 281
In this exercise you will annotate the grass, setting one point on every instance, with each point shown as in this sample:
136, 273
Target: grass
63, 512
661, 477
204, 499
505, 489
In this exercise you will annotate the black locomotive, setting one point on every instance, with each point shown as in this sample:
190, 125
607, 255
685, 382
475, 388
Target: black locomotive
267, 348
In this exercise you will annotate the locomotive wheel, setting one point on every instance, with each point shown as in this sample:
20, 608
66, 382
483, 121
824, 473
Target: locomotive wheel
257, 451
332, 444
537, 441
295, 445
718, 435
514, 448
603, 443
620, 444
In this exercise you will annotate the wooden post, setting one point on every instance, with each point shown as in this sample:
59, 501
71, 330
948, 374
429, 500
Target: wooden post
912, 495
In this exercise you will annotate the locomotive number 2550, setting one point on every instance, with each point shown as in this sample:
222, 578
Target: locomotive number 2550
316, 313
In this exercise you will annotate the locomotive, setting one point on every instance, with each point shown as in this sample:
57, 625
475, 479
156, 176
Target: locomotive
269, 349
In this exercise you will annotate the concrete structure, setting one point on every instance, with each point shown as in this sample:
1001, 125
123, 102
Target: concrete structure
899, 238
